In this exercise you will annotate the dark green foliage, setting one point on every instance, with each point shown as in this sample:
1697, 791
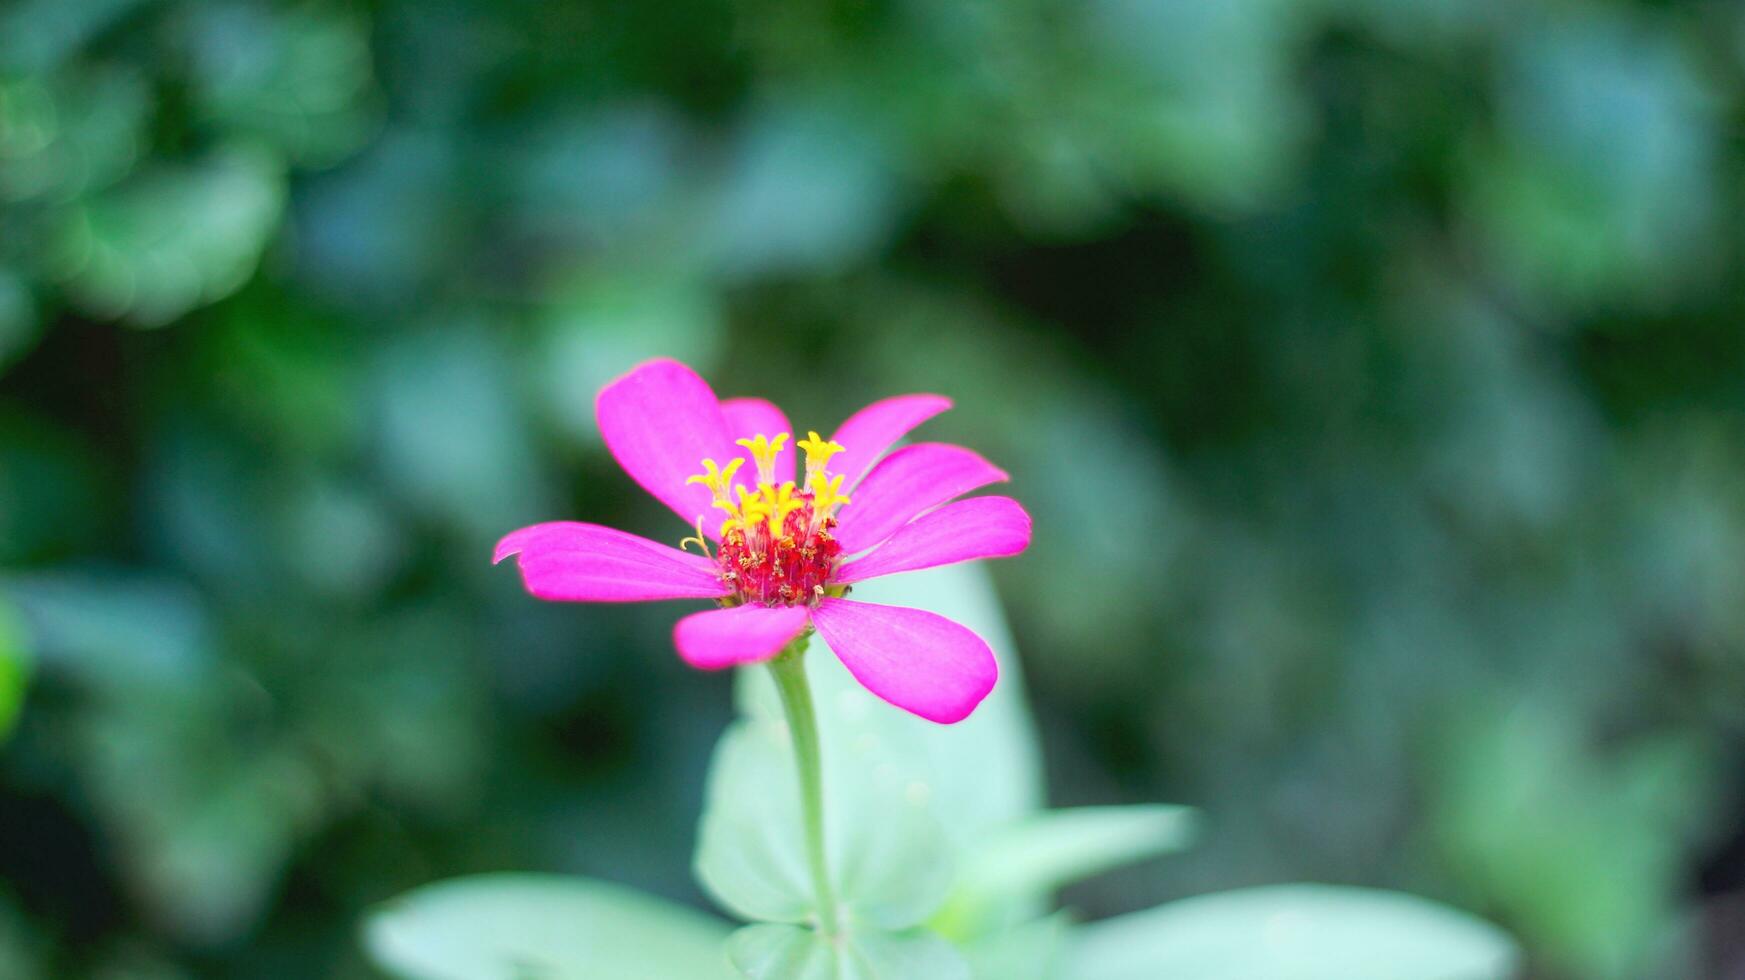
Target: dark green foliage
1371, 367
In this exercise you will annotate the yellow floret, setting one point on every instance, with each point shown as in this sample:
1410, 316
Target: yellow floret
752, 509
779, 502
827, 495
763, 452
716, 478
818, 453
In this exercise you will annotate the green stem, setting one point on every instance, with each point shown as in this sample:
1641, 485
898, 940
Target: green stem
789, 670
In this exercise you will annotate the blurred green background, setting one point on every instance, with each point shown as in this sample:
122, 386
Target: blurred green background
1373, 369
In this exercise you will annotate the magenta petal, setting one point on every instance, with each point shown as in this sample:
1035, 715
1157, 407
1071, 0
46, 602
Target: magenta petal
909, 481
919, 661
660, 421
980, 527
719, 638
872, 430
748, 417
565, 561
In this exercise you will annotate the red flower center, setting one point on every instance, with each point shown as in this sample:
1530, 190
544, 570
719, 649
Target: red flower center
776, 546
780, 570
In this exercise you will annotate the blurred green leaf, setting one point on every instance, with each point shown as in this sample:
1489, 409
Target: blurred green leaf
207, 840
451, 439
20, 324
53, 491
542, 927
37, 34
601, 325
1030, 951
115, 631
887, 855
381, 227
1012, 874
807, 190
750, 855
171, 240
784, 952
604, 176
1295, 932
980, 774
1602, 186
298, 79
1352, 355
1199, 97
15, 667
902, 795
1581, 848
21, 948
64, 136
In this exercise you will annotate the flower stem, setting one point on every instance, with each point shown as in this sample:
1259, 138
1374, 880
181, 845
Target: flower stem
789, 670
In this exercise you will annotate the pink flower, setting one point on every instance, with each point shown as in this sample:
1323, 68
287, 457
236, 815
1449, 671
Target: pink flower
788, 549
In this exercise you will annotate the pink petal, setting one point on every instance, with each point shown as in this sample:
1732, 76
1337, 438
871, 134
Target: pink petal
719, 638
980, 527
566, 561
748, 417
909, 481
660, 421
920, 662
872, 430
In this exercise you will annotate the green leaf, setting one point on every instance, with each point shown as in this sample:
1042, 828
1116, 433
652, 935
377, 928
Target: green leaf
15, 664
296, 79
596, 327
809, 189
1010, 876
749, 855
68, 135
985, 771
783, 952
1582, 849
980, 774
1030, 951
20, 323
542, 927
170, 240
888, 858
902, 795
1295, 932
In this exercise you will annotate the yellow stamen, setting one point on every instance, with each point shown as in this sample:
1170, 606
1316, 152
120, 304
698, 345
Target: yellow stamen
779, 503
702, 542
717, 479
818, 453
752, 509
827, 496
763, 451
733, 514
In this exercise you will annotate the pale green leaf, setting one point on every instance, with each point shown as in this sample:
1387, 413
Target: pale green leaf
888, 860
749, 853
1029, 951
1295, 932
784, 952
1009, 876
542, 927
980, 774
902, 794
985, 771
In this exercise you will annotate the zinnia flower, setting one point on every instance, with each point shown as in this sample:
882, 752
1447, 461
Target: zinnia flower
789, 545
